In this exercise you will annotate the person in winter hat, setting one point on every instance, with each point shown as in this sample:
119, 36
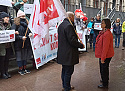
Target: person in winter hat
117, 31
4, 47
22, 54
3, 15
20, 6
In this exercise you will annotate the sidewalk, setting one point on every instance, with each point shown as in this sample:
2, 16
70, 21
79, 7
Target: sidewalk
86, 76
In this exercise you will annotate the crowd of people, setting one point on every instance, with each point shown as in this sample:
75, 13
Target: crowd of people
21, 46
68, 44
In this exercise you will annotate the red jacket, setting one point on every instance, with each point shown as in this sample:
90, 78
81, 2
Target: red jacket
104, 45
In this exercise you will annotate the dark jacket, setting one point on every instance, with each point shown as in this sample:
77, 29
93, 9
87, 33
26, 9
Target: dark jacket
4, 26
116, 29
18, 38
67, 44
96, 31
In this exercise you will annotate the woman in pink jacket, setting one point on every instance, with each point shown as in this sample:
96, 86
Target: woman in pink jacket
104, 51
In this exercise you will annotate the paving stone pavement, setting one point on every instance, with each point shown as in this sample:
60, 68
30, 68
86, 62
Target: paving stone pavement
86, 76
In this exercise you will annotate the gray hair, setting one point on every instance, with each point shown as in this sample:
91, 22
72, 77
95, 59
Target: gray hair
70, 14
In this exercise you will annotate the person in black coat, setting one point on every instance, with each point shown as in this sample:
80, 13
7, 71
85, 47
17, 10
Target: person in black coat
22, 53
67, 54
96, 32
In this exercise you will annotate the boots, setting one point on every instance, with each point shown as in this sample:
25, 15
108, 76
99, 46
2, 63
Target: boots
4, 76
8, 75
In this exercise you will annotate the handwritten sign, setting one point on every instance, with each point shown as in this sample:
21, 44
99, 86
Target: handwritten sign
7, 36
6, 2
28, 8
97, 26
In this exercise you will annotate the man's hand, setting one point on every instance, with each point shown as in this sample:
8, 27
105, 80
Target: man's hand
24, 38
30, 34
83, 46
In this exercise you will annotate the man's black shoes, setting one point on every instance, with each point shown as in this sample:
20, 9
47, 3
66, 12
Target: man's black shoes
102, 86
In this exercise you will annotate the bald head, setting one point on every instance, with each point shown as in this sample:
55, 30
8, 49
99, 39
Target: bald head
70, 16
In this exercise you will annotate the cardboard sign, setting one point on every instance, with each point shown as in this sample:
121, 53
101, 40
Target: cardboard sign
28, 8
7, 36
97, 26
6, 2
81, 35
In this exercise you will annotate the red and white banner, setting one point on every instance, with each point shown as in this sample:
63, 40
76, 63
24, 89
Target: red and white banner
48, 48
46, 14
7, 36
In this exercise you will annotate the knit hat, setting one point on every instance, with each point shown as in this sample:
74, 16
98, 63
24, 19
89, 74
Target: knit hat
3, 15
20, 13
85, 18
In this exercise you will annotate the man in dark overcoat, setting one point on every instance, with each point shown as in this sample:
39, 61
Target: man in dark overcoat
68, 54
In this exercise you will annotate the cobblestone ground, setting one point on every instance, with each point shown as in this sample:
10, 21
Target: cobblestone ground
86, 76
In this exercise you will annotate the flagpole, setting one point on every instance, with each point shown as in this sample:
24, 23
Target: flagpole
75, 31
25, 36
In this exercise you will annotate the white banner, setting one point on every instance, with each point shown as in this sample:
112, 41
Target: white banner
45, 50
28, 8
6, 2
81, 34
7, 36
97, 26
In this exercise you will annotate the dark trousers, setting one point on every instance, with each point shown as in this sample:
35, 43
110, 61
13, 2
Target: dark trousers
91, 40
86, 37
67, 72
4, 61
104, 71
94, 40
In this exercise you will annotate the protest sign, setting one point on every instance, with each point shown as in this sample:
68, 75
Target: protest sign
81, 35
6, 2
7, 36
45, 50
28, 8
97, 26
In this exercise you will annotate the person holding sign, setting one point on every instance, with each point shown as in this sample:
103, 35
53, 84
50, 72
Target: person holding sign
117, 31
96, 28
89, 26
4, 47
68, 54
104, 51
22, 43
20, 6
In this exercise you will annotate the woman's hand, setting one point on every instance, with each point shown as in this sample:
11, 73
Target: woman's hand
12, 3
24, 38
22, 3
16, 32
102, 61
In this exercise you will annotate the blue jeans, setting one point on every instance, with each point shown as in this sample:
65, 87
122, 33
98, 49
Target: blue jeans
67, 72
21, 63
117, 40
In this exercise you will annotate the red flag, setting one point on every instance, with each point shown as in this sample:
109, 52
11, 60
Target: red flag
49, 9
